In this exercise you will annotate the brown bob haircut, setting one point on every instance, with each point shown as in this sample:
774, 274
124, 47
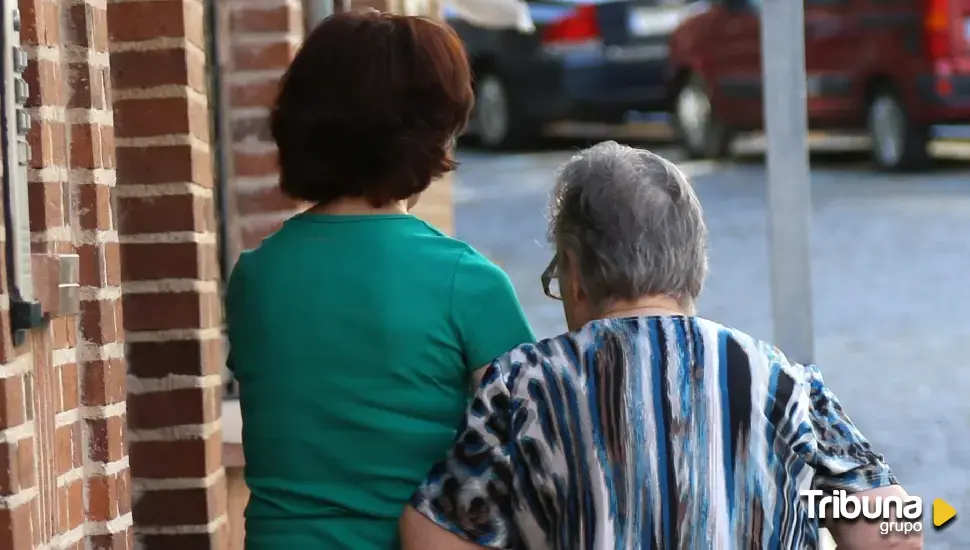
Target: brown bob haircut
369, 108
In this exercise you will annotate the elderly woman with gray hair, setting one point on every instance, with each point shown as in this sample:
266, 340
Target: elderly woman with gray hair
645, 426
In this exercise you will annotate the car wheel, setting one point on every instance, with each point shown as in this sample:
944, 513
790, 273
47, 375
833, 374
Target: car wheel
701, 135
497, 123
897, 143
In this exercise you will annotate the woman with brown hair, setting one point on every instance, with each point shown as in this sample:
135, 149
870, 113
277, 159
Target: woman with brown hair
357, 329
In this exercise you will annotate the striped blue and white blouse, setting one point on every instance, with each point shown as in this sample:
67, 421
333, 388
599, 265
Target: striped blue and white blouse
640, 433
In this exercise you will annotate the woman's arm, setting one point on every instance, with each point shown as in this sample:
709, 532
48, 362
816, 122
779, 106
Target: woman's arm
844, 460
486, 313
467, 500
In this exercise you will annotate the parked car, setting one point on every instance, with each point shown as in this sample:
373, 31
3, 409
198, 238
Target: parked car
892, 68
587, 60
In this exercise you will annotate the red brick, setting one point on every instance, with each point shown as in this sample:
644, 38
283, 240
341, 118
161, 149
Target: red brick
15, 528
106, 439
140, 21
43, 77
254, 94
88, 146
257, 19
263, 56
151, 116
35, 520
108, 496
163, 164
48, 144
104, 382
172, 310
186, 260
9, 470
197, 506
186, 357
46, 205
70, 506
101, 321
86, 27
174, 459
95, 207
163, 213
41, 22
70, 391
151, 68
99, 264
87, 85
108, 147
179, 407
7, 349
255, 164
64, 330
12, 409
68, 448
26, 462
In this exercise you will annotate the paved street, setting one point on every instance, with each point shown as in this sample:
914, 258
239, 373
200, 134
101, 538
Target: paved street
891, 261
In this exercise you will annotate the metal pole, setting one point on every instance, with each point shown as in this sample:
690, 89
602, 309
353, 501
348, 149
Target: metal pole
789, 182
318, 11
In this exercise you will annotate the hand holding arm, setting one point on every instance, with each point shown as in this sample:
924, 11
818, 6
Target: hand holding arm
466, 500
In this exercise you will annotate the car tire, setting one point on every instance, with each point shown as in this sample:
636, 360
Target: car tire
699, 132
898, 144
497, 122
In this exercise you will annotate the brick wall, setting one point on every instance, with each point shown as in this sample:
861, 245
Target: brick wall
263, 37
169, 271
63, 467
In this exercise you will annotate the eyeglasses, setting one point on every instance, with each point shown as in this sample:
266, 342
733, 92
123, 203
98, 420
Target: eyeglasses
550, 279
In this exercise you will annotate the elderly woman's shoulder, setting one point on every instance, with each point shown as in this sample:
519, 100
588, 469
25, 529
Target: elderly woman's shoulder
765, 357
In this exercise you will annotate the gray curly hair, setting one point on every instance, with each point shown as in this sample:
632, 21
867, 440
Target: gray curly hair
633, 223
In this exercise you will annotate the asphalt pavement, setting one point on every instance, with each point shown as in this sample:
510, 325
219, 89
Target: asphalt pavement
891, 276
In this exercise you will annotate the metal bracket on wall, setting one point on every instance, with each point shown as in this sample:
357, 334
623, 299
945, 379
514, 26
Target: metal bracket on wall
68, 286
25, 312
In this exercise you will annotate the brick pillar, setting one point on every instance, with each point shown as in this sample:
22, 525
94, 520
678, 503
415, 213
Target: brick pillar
263, 37
63, 470
169, 272
31, 503
101, 350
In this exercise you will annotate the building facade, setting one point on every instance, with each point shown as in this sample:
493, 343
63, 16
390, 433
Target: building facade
150, 168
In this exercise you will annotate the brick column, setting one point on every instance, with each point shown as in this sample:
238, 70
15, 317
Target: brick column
63, 470
169, 272
31, 499
263, 37
101, 349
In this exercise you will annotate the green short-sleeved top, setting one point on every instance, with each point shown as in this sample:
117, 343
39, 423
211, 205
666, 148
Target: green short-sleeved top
353, 339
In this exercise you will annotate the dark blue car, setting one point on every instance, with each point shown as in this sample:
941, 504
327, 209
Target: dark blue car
587, 60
